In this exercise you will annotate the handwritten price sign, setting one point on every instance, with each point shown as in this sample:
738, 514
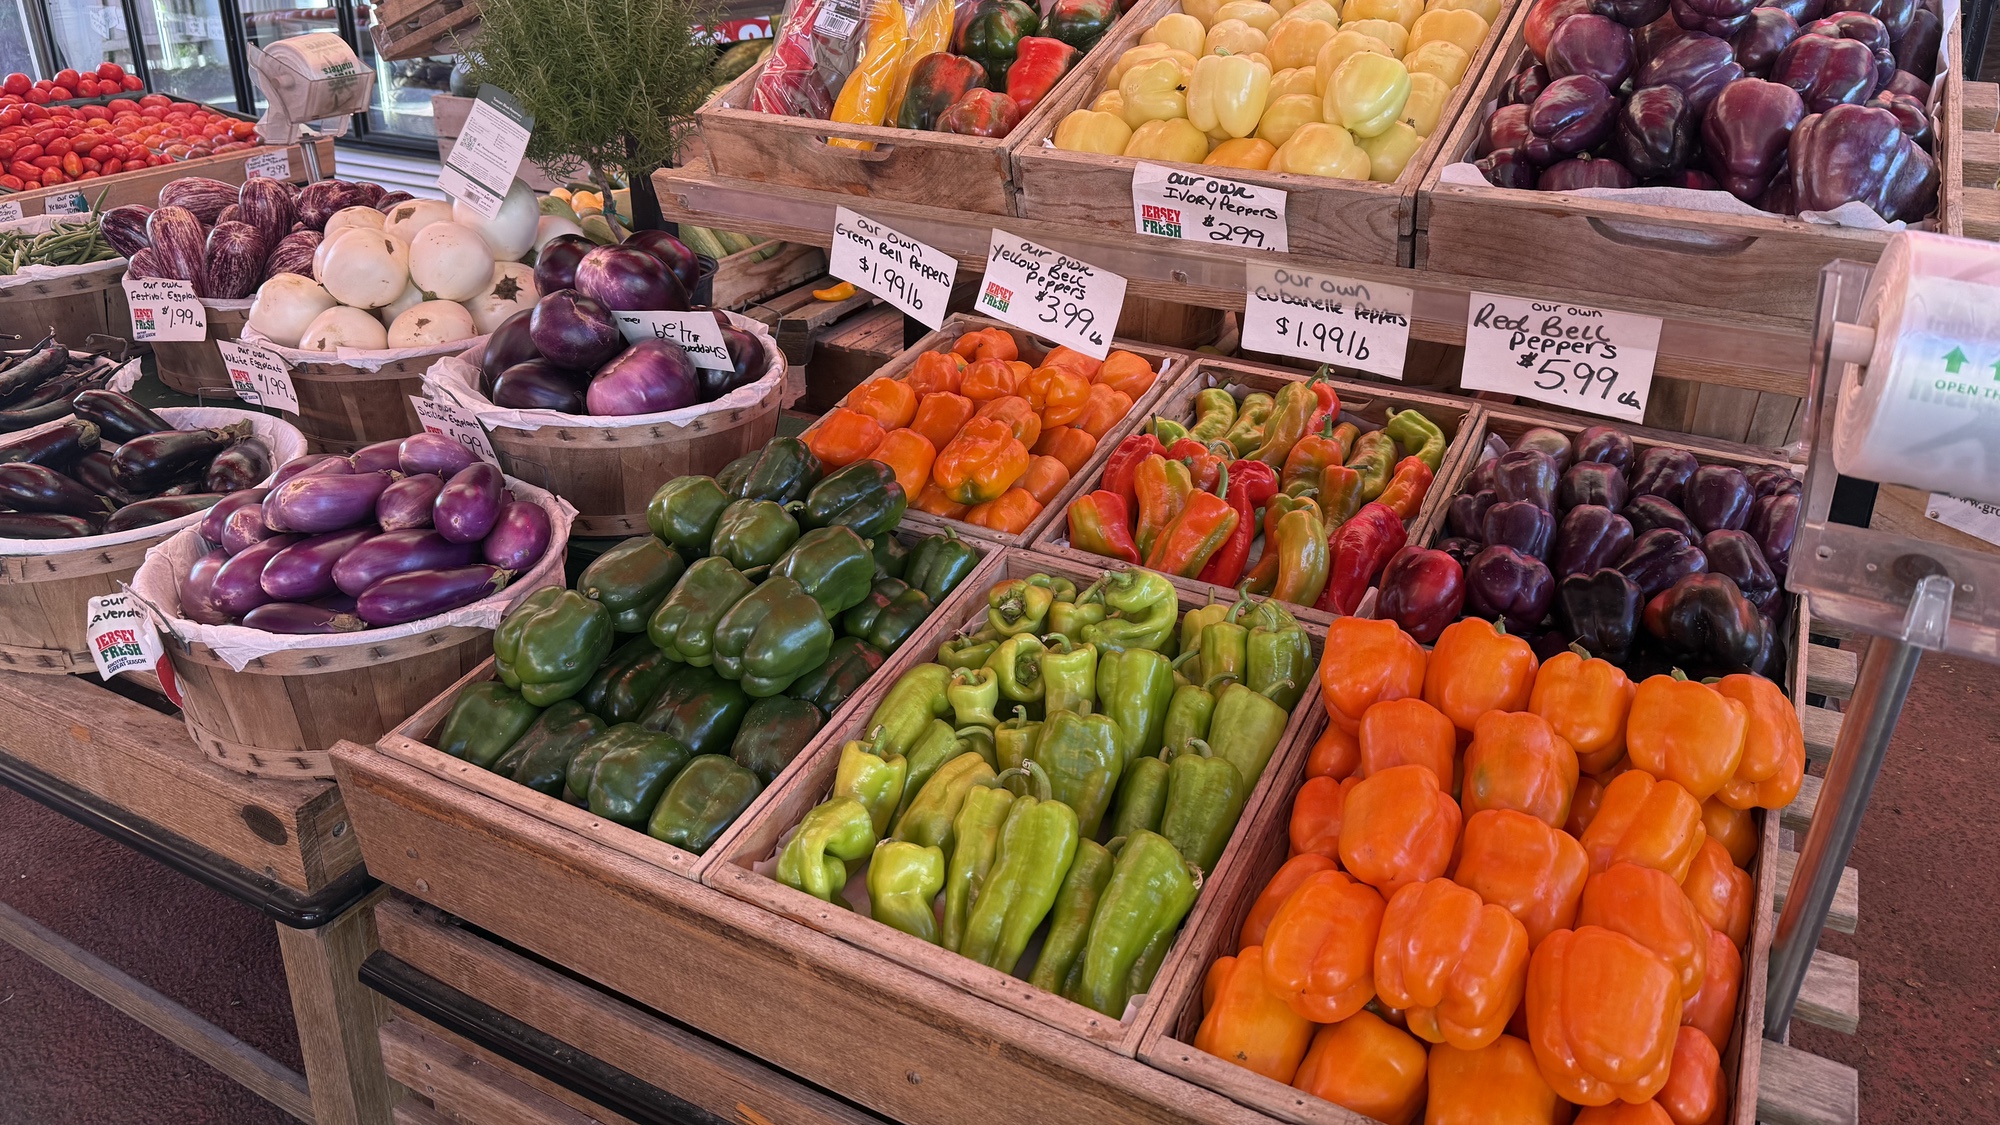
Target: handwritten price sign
447, 418
1326, 318
1051, 294
165, 309
908, 274
1568, 355
1172, 203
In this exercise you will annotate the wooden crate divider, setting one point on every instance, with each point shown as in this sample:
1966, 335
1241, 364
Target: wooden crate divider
743, 277
143, 185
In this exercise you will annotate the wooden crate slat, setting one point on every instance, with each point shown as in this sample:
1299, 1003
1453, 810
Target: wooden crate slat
1831, 994
464, 1086
1846, 910
1981, 107
1796, 1088
1798, 815
1822, 731
1982, 159
1830, 671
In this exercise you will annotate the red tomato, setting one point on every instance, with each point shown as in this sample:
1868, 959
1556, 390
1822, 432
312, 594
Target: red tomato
155, 100
38, 97
86, 88
152, 113
17, 83
47, 162
57, 146
24, 170
110, 72
51, 177
132, 84
67, 77
92, 165
100, 151
6, 151
96, 113
27, 152
10, 116
72, 164
44, 84
113, 166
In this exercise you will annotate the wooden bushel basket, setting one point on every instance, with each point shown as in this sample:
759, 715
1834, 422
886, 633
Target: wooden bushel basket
194, 367
343, 407
75, 307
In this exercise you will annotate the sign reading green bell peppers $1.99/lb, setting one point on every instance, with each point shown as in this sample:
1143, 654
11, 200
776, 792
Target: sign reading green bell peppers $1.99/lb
901, 270
1050, 294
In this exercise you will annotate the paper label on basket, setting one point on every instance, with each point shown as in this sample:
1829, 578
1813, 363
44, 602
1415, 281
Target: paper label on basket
482, 162
697, 333
1569, 355
1975, 518
908, 274
259, 375
1051, 294
275, 165
10, 211
1178, 203
122, 635
443, 416
165, 308
67, 203
1327, 318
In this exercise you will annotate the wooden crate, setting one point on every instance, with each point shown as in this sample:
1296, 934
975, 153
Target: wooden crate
343, 407
143, 185
742, 277
1326, 219
195, 367
406, 29
756, 839
1761, 266
74, 308
1368, 405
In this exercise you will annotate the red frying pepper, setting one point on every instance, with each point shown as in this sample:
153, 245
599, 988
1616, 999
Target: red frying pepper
1204, 466
1204, 524
1251, 485
1101, 523
1124, 461
1039, 64
1361, 547
1329, 400
1405, 494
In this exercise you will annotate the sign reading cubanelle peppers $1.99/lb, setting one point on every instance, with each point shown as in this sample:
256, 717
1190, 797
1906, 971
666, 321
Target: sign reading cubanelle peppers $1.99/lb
1050, 294
1326, 318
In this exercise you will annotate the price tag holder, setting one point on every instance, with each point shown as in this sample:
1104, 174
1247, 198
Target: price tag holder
442, 416
274, 165
165, 308
1327, 318
10, 211
908, 274
1051, 294
1184, 204
67, 203
1568, 355
261, 377
482, 162
696, 332
122, 635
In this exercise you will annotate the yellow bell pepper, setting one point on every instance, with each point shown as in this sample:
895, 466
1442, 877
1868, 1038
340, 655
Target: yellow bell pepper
1228, 93
1367, 94
1203, 10
1403, 12
929, 34
1459, 26
1389, 151
864, 97
1489, 10
1394, 34
1136, 55
1319, 149
1446, 60
1154, 91
1428, 93
1179, 31
1285, 6
1284, 115
1256, 13
1297, 80
1319, 10
1296, 43
1086, 130
1170, 140
1339, 49
1233, 37
1242, 152
1112, 102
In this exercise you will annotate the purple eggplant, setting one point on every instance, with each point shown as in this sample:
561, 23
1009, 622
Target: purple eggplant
1506, 129
556, 262
1520, 525
1737, 555
1509, 168
407, 503
94, 470
1910, 114
239, 584
57, 447
630, 279
1854, 153
418, 594
1718, 498
294, 618
1591, 482
574, 330
747, 361
28, 487
1608, 444
1467, 514
649, 377
519, 537
154, 461
1659, 558
304, 570
1585, 171
45, 525
1591, 44
1774, 524
210, 527
1654, 132
316, 504
118, 417
1758, 44
334, 603
1631, 13
242, 465
1504, 583
1570, 115
267, 206
1526, 474
1826, 71
1772, 481
1526, 83
1699, 65
537, 384
1591, 537
198, 590
670, 250
469, 505
315, 464
1916, 50
379, 456
432, 453
508, 345
1650, 512
1720, 18
1664, 471
1802, 12
160, 509
1746, 133
395, 552
243, 527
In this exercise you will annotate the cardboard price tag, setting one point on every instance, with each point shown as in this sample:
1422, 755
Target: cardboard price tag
442, 416
1051, 294
697, 333
122, 635
165, 308
1327, 318
482, 162
10, 211
261, 377
1569, 355
68, 203
1176, 203
908, 274
274, 165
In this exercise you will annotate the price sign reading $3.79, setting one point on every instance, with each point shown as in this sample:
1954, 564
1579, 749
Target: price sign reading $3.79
1569, 355
1051, 294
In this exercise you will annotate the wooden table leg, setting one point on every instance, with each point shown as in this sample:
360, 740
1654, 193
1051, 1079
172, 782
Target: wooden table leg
338, 1018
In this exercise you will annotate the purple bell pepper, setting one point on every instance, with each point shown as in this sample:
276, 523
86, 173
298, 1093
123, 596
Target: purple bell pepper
1526, 474
1654, 131
1664, 471
1826, 71
1504, 583
1757, 45
1421, 590
1508, 168
1660, 558
1585, 171
1600, 611
1592, 482
1591, 44
1467, 514
1737, 555
1856, 153
1864, 29
1592, 537
1608, 444
1526, 83
1631, 13
1774, 524
1700, 65
1551, 441
1650, 512
1520, 525
1720, 18
1718, 498
1569, 116
1770, 481
1746, 132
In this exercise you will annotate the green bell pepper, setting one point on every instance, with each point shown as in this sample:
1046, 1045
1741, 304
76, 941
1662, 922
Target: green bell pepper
905, 713
1188, 714
1418, 435
892, 559
887, 616
975, 840
773, 732
1205, 796
683, 513
1069, 919
551, 644
928, 820
540, 760
970, 651
1083, 758
684, 625
735, 477
634, 766
1280, 662
583, 763
1018, 665
903, 879
1069, 675
1150, 891
834, 566
1019, 606
701, 709
782, 471
1134, 689
873, 776
848, 664
939, 563
772, 637
835, 833
864, 497
1245, 729
1374, 457
484, 721
631, 580
1015, 740
628, 681
1081, 23
1037, 844
754, 533
992, 33
1142, 797
705, 798
1144, 610
974, 693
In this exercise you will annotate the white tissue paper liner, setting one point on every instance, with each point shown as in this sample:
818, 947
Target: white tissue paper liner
285, 440
157, 586
42, 224
456, 378
362, 360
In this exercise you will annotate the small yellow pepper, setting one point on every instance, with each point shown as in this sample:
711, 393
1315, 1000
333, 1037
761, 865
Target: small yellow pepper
1297, 80
840, 292
1087, 130
1180, 31
1112, 102
1461, 27
1319, 10
1154, 91
1136, 55
1446, 60
1168, 140
1389, 150
1489, 10
1319, 149
1391, 33
1396, 11
1339, 49
1228, 93
1284, 115
1256, 13
1233, 37
1242, 152
864, 97
1428, 93
1367, 94
1296, 43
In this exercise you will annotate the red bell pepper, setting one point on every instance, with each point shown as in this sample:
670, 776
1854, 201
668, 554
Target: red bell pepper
1124, 462
1251, 486
1361, 547
980, 113
1101, 523
1423, 591
1039, 64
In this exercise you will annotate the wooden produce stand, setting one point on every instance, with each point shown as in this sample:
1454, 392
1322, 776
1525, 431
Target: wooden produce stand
143, 185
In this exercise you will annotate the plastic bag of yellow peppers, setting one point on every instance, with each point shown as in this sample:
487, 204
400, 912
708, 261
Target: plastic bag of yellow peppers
1312, 87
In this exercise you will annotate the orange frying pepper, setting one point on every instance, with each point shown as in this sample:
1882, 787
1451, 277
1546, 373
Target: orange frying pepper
1648, 907
844, 437
1684, 731
1104, 408
1337, 754
891, 403
1067, 444
1623, 1113
933, 501
1586, 699
1583, 806
1065, 356
1366, 1065
940, 415
1720, 891
1408, 732
1046, 477
1713, 1009
989, 379
1366, 662
1058, 394
936, 373
1127, 373
1498, 1084
1288, 878
1651, 823
1694, 1089
911, 455
1011, 512
1315, 825
1454, 965
981, 463
1398, 827
987, 343
1603, 1012
1019, 416
1734, 829
1475, 668
1517, 761
1247, 1024
1774, 748
1533, 871
1319, 951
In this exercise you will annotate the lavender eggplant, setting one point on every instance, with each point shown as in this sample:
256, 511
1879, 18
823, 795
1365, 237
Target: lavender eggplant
264, 203
211, 524
574, 331
1737, 555
469, 505
242, 528
379, 456
57, 447
1526, 474
519, 537
293, 254
649, 377
1774, 524
176, 237
301, 620
557, 261
240, 466
198, 590
321, 503
1600, 611
1608, 444
426, 593
153, 461
125, 228
1504, 583
44, 525
314, 464
1592, 482
239, 584
1699, 65
1520, 525
304, 570
118, 417
28, 487
203, 197
1718, 498
1650, 512
1570, 115
1591, 44
1660, 558
407, 503
1654, 132
432, 453
395, 552
1467, 514
233, 262
1591, 538
160, 509
1664, 471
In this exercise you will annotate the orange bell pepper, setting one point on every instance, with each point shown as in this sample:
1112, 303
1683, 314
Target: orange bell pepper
1720, 891
1684, 731
1045, 477
911, 455
1058, 394
1246, 1024
1105, 407
1066, 444
890, 402
1713, 1009
1020, 368
1319, 951
843, 437
1065, 356
936, 373
1398, 827
1517, 761
1774, 748
1475, 668
1409, 732
1291, 875
1128, 374
1366, 1065
1586, 699
933, 501
1515, 861
1011, 512
1337, 754
1648, 907
1583, 805
989, 379
1734, 829
1651, 823
1366, 662
1603, 1012
1455, 966
1694, 1089
1498, 1084
981, 463
1315, 826
1015, 411
987, 343
1408, 486
1623, 1113
941, 414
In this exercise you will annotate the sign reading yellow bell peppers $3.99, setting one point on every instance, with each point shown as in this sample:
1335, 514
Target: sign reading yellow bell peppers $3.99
1050, 294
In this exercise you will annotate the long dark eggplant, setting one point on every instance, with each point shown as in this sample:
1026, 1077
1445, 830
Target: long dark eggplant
38, 488
44, 525
160, 509
304, 570
418, 594
240, 466
120, 417
94, 470
153, 461
57, 447
294, 618
51, 400
211, 524
32, 370
397, 552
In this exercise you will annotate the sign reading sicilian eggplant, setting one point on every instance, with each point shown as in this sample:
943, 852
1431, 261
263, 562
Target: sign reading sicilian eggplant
1051, 294
165, 308
697, 333
276, 165
442, 416
1569, 355
911, 275
1327, 318
1179, 203
259, 375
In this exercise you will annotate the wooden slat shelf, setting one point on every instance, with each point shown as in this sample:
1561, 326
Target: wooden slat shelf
1831, 671
1822, 730
1803, 1089
1981, 115
1798, 815
1831, 994
1846, 897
